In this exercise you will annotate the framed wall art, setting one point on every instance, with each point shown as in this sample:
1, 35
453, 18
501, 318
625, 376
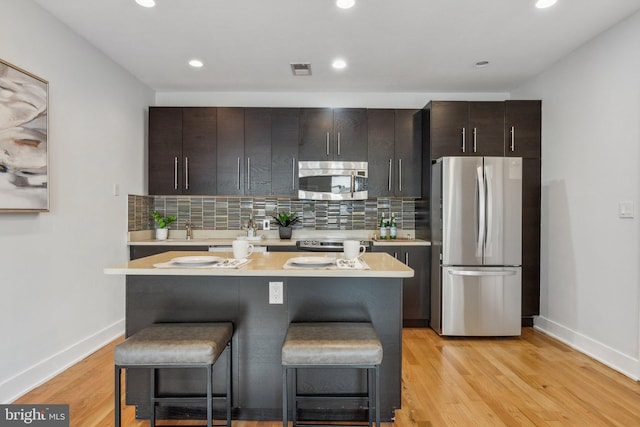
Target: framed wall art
24, 154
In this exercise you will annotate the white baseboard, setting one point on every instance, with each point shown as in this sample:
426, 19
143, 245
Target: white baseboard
602, 353
43, 371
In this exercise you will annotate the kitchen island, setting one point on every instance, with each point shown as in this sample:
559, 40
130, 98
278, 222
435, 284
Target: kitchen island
242, 296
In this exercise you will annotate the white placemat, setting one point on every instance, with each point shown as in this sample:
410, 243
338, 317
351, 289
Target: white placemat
339, 264
227, 263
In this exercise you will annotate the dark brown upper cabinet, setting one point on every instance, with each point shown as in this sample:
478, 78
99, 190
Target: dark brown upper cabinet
523, 121
333, 134
257, 151
461, 128
285, 130
230, 165
395, 152
182, 151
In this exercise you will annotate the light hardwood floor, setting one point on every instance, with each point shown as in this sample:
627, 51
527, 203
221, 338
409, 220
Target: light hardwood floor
528, 381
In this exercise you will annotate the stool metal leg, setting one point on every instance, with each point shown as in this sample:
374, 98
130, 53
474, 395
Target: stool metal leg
370, 396
377, 391
209, 397
117, 393
285, 398
229, 395
294, 389
152, 396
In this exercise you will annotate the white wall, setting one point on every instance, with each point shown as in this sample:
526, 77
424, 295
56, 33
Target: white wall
56, 305
316, 99
591, 161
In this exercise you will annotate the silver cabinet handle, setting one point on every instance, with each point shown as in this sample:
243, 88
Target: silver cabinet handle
293, 173
464, 140
238, 181
390, 172
400, 174
406, 258
480, 273
175, 173
186, 173
248, 173
338, 143
395, 255
513, 138
327, 143
475, 131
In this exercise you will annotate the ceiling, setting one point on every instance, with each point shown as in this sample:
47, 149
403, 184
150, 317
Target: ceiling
389, 45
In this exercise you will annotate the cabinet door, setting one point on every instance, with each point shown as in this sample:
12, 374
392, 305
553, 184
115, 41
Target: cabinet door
381, 143
285, 124
165, 150
408, 153
316, 134
486, 129
531, 194
199, 150
523, 128
349, 134
257, 151
448, 133
416, 291
230, 168
416, 304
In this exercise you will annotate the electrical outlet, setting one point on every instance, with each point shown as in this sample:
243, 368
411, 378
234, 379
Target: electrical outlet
275, 293
265, 224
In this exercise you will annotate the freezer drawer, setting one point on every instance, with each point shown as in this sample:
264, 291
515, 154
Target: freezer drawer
482, 301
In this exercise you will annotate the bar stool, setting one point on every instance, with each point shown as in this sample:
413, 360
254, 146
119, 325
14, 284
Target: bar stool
176, 345
331, 345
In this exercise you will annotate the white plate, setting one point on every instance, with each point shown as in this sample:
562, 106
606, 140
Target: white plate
196, 260
313, 260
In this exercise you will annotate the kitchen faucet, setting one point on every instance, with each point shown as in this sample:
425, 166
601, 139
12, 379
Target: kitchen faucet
251, 227
187, 227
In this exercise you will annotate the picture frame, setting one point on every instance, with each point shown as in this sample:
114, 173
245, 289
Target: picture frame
24, 141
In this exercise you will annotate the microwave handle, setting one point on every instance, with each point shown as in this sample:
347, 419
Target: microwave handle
353, 184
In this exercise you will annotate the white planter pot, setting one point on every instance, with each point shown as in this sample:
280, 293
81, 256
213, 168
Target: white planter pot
162, 233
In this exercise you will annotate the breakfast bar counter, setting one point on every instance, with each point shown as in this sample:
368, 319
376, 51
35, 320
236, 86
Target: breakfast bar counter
310, 293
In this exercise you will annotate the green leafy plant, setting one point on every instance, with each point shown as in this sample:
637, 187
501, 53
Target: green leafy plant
163, 222
284, 219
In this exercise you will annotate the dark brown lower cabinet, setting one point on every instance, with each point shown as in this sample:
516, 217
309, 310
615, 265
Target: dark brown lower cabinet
136, 252
531, 195
416, 291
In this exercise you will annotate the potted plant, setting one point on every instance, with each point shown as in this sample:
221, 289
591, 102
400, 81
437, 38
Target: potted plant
285, 221
163, 223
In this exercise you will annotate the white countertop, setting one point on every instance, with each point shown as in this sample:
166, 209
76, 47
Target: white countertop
267, 264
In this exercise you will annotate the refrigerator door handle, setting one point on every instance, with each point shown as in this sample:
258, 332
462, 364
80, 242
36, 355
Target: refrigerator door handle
481, 210
490, 202
479, 273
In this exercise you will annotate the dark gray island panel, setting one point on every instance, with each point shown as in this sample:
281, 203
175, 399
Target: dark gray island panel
259, 333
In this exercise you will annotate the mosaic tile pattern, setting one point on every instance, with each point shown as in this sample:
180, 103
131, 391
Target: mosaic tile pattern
230, 213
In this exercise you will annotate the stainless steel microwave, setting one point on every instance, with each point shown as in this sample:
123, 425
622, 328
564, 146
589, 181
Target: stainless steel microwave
333, 180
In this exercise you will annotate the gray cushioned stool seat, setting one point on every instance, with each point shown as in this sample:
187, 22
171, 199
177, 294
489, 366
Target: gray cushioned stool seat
175, 343
325, 345
331, 343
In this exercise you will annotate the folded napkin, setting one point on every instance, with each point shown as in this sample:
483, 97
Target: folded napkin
226, 263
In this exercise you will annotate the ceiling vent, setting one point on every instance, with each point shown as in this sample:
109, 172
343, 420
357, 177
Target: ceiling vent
301, 69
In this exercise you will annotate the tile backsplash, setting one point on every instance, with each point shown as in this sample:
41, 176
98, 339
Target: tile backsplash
230, 213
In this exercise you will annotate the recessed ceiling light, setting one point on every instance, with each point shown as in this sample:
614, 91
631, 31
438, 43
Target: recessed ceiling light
339, 64
146, 3
345, 4
543, 4
196, 63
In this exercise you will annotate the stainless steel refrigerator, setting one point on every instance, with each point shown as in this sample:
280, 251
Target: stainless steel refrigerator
476, 232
